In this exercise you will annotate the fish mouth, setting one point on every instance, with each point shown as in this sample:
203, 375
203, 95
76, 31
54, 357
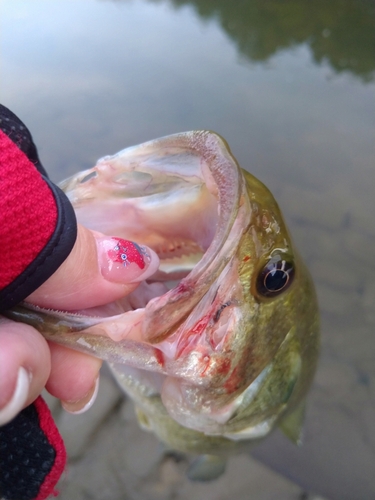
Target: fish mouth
183, 197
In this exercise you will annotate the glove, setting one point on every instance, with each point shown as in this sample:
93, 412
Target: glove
32, 452
40, 258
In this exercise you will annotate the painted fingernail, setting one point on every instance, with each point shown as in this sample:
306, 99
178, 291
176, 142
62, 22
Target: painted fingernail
18, 399
123, 261
84, 404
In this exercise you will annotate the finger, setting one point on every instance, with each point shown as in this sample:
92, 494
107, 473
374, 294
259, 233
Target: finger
24, 367
99, 270
74, 378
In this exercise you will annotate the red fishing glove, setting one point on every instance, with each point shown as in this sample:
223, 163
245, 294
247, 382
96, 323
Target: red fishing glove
37, 232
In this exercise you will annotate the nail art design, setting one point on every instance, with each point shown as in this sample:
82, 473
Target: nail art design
124, 261
126, 252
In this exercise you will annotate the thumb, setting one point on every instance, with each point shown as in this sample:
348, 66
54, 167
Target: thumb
100, 269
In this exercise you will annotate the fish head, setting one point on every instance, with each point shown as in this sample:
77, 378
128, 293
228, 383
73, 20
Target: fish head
226, 331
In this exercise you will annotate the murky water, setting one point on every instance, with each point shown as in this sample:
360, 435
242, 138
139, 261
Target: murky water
290, 85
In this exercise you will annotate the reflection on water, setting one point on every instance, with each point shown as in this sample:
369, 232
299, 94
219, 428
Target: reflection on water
340, 32
290, 85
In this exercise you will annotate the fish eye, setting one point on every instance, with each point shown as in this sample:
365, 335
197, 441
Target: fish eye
276, 276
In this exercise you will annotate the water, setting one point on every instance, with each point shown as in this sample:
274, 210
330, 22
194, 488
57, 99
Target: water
291, 87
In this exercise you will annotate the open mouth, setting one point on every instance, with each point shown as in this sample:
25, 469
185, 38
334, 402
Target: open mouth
180, 196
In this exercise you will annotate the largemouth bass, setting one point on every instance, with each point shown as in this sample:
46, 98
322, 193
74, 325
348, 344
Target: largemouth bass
220, 345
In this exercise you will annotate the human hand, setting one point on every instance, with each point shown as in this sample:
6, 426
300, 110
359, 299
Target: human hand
92, 275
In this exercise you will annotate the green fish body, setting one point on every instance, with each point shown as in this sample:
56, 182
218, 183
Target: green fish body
220, 346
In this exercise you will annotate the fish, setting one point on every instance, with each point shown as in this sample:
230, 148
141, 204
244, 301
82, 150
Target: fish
219, 347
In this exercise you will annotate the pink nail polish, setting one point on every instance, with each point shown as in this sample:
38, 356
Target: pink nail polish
124, 261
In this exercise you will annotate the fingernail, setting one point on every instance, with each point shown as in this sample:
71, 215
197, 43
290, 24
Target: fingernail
123, 261
84, 404
18, 399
